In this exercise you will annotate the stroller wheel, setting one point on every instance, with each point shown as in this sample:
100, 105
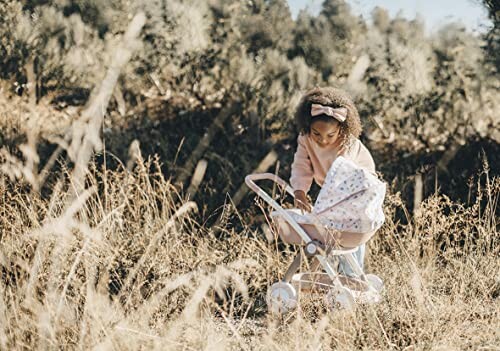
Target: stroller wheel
340, 297
375, 282
281, 298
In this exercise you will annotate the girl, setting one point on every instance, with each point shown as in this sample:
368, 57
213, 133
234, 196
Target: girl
329, 126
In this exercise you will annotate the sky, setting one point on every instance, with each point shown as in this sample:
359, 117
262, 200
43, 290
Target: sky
434, 12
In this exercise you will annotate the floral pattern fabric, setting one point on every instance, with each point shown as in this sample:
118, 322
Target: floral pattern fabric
351, 200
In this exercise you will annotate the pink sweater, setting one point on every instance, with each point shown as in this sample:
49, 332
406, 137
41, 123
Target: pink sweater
312, 162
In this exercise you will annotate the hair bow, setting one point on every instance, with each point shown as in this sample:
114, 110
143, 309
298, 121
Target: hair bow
340, 113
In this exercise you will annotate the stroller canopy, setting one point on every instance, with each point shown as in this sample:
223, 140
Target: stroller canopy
350, 200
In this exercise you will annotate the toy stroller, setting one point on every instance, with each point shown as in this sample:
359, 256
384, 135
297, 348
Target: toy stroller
346, 214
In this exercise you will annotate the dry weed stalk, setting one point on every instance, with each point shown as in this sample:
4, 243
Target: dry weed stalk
86, 131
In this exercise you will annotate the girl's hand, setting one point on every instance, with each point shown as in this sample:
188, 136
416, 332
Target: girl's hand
301, 201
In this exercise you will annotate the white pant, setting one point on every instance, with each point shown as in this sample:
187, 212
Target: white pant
344, 266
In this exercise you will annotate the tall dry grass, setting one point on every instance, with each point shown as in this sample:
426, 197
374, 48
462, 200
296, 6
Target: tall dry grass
127, 265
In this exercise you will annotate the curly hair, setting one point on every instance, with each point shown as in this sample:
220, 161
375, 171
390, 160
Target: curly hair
333, 97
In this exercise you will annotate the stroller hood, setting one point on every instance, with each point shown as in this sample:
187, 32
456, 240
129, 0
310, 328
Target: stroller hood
351, 199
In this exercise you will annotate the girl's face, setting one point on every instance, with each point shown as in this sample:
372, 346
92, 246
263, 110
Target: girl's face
325, 133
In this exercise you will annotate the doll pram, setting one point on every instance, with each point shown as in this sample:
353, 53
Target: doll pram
346, 214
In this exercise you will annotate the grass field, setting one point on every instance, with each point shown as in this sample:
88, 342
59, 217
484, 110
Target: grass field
126, 265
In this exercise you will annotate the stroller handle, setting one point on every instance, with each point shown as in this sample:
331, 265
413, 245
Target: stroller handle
251, 178
250, 181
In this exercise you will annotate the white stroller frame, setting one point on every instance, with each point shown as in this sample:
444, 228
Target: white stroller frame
282, 296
